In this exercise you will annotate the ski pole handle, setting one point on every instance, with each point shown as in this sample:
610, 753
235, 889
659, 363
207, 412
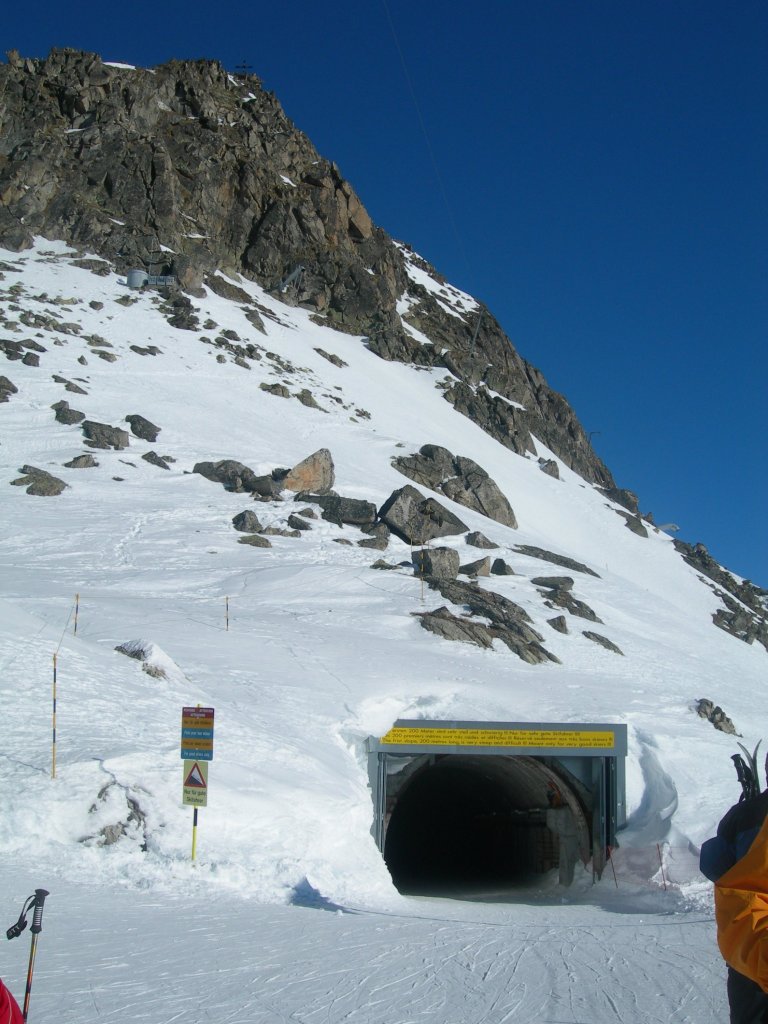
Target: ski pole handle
37, 916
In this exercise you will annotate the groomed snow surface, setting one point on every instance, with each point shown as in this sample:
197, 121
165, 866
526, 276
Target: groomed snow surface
289, 912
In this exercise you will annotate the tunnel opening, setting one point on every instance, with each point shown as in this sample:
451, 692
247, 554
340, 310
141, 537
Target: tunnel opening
463, 825
473, 809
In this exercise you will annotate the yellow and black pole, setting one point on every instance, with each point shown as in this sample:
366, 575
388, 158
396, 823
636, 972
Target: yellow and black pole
53, 727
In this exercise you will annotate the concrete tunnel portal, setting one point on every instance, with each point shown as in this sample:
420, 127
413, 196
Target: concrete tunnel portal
472, 808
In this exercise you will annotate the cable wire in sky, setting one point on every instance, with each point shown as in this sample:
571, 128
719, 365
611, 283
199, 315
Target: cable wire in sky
430, 149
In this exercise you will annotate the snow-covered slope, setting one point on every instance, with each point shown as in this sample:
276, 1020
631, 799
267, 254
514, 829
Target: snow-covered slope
321, 650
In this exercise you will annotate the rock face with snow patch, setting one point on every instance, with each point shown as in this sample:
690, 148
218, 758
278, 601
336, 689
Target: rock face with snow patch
745, 614
93, 153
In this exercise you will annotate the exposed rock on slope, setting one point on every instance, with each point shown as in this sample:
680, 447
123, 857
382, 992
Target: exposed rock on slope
417, 519
188, 170
460, 479
745, 615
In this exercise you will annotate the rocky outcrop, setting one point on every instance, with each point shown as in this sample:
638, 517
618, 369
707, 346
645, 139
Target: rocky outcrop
486, 603
745, 615
315, 473
86, 461
564, 599
634, 523
157, 460
377, 536
64, 414
550, 467
436, 563
445, 624
713, 713
416, 519
480, 567
508, 621
627, 499
555, 559
39, 482
143, 428
499, 567
188, 169
343, 511
297, 523
740, 622
102, 435
603, 641
234, 476
459, 479
247, 522
7, 388
553, 582
255, 540
479, 540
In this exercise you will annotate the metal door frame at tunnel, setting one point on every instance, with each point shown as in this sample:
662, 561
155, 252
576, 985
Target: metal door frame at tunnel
580, 765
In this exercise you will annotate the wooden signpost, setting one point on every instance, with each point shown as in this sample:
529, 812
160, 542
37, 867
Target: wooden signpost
196, 751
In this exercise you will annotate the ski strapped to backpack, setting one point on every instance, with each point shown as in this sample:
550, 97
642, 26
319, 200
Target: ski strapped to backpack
747, 772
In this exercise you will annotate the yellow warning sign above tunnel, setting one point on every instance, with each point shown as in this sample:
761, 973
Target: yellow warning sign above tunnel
557, 738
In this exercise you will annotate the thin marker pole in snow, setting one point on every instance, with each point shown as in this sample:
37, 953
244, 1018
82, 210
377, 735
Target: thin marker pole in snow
53, 744
661, 865
77, 609
226, 612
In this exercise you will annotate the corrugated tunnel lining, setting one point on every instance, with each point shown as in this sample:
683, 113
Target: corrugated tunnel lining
466, 821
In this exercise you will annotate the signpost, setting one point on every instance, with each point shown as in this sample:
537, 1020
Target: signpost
196, 751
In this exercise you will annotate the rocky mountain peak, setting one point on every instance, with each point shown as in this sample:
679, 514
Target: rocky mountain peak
187, 169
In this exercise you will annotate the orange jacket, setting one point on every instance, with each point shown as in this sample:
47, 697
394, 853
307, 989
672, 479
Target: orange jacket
741, 911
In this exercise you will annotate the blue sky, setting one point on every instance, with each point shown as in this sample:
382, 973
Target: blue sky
593, 170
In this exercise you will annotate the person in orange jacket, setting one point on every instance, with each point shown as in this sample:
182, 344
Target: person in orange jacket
736, 860
741, 911
9, 1008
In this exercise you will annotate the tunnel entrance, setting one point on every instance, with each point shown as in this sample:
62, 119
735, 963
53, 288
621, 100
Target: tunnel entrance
468, 808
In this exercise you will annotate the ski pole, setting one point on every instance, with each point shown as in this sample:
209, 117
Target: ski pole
37, 927
36, 904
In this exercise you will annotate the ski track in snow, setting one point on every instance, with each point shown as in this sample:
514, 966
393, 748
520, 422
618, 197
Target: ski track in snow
162, 958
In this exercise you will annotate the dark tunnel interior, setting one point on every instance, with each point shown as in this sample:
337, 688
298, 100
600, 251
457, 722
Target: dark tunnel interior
464, 826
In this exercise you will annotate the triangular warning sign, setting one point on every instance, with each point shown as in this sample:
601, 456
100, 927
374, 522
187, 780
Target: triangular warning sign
195, 777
